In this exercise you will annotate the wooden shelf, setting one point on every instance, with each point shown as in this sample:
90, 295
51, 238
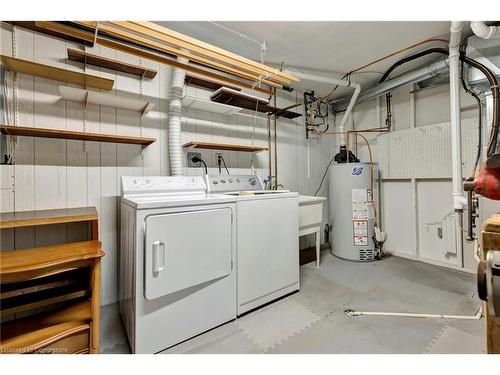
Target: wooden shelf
44, 217
45, 299
206, 83
101, 98
75, 311
241, 100
31, 25
208, 106
224, 146
29, 264
58, 74
69, 134
103, 62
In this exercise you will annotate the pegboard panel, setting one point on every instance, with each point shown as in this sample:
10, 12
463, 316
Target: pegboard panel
425, 151
470, 139
433, 151
401, 154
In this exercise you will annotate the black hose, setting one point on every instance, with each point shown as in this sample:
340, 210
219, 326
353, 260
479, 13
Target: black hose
480, 117
492, 143
388, 117
411, 58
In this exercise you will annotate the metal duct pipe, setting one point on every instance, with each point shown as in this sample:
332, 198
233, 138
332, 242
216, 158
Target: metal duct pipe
438, 68
174, 123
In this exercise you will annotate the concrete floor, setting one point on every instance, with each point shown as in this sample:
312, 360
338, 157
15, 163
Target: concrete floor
313, 320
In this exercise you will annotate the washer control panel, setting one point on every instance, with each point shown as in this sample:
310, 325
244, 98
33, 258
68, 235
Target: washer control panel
229, 183
161, 184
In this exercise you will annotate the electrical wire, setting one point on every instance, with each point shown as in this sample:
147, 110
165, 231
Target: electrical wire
324, 175
197, 159
480, 118
224, 162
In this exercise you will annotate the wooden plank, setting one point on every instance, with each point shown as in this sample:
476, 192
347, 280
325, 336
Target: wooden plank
38, 339
223, 146
31, 25
206, 83
75, 311
45, 217
95, 305
66, 30
241, 100
213, 51
6, 311
154, 57
112, 64
36, 288
242, 71
492, 224
19, 261
58, 74
68, 134
151, 56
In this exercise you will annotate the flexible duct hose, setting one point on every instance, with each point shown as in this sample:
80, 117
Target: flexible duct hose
175, 116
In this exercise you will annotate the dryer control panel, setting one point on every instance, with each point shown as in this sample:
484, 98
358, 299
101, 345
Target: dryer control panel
162, 184
229, 183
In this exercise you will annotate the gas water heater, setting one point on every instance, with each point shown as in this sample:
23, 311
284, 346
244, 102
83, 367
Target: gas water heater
353, 207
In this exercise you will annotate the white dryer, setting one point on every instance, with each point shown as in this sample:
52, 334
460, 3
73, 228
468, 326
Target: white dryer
267, 223
177, 275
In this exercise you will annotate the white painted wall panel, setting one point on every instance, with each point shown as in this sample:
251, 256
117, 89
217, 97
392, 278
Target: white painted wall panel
398, 220
434, 203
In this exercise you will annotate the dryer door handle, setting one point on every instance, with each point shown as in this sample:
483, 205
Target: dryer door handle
158, 256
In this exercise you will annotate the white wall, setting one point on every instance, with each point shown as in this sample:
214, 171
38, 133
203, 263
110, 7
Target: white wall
51, 173
410, 207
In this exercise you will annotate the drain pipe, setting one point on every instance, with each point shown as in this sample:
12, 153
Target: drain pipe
456, 145
459, 201
175, 117
333, 81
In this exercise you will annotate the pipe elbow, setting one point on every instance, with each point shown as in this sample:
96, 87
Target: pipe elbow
483, 31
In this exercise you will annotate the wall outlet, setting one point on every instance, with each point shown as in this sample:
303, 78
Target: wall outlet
190, 163
216, 157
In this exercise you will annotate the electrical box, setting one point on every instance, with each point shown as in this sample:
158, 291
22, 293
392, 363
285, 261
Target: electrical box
190, 156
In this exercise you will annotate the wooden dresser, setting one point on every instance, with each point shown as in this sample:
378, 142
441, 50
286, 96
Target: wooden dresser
50, 295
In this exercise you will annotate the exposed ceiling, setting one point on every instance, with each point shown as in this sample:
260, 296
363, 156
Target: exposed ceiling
330, 47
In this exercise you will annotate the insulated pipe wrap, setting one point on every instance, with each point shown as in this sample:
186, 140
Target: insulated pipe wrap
175, 116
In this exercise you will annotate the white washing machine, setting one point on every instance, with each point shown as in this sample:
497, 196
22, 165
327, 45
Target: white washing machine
177, 275
267, 223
